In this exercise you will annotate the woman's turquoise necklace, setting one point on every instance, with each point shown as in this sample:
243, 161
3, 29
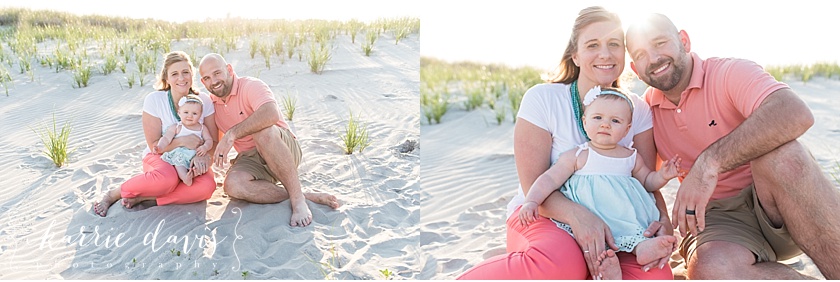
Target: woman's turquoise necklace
172, 106
577, 105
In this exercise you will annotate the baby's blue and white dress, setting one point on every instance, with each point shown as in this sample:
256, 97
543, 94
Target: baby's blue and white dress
182, 156
605, 185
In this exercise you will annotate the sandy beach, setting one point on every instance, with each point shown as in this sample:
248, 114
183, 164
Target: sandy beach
468, 176
48, 231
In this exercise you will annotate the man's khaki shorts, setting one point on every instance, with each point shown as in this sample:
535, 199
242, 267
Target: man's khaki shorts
741, 220
251, 162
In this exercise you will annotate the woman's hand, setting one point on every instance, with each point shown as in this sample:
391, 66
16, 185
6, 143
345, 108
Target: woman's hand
593, 236
200, 165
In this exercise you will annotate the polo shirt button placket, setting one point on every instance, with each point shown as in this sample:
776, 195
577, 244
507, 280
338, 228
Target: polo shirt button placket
679, 111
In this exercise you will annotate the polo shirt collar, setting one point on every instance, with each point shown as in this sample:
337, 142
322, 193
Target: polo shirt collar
698, 74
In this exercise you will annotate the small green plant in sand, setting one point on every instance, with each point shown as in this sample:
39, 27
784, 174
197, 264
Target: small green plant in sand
475, 98
131, 79
82, 76
265, 51
500, 114
55, 141
289, 106
110, 64
387, 274
255, 45
355, 136
5, 79
434, 104
318, 57
370, 39
245, 275
329, 267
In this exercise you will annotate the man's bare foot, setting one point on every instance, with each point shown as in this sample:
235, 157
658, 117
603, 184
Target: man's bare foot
323, 199
101, 208
654, 249
301, 215
608, 266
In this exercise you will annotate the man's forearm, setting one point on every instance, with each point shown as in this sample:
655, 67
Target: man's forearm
781, 118
265, 116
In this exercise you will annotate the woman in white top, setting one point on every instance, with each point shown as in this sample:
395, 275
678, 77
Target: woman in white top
159, 184
548, 123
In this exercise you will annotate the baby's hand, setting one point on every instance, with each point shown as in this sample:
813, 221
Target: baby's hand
671, 168
200, 151
157, 150
528, 213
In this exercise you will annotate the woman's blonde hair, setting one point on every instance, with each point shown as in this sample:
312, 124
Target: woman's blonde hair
172, 58
567, 71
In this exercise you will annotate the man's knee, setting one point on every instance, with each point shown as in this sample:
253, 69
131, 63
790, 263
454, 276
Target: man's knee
718, 260
235, 182
267, 135
790, 159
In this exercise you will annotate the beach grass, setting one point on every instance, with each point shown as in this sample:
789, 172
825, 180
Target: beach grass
476, 84
289, 106
370, 39
356, 136
63, 40
500, 114
319, 55
803, 72
55, 141
5, 79
81, 75
386, 274
434, 103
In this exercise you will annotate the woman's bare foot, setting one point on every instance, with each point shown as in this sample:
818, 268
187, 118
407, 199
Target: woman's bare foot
132, 203
323, 199
654, 249
142, 205
609, 266
101, 208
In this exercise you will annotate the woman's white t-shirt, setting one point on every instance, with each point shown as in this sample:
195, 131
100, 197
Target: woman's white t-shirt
549, 106
157, 105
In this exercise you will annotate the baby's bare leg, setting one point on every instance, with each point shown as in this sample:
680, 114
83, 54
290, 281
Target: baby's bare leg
654, 249
185, 174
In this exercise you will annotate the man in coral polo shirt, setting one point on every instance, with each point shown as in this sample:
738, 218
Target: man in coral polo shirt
754, 195
268, 152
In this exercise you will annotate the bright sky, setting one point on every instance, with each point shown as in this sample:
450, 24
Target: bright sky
181, 11
535, 33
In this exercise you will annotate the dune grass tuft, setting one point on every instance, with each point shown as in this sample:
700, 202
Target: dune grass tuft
55, 141
319, 55
355, 136
289, 106
81, 76
5, 79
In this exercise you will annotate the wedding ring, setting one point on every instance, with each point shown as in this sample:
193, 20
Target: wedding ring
585, 251
689, 212
221, 156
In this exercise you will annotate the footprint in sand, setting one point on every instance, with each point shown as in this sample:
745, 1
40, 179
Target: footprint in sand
388, 95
